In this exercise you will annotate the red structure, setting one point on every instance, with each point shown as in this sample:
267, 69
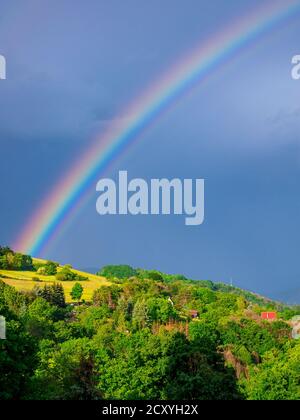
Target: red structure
269, 315
193, 313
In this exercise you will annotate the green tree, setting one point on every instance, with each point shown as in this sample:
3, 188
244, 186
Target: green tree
50, 269
191, 376
5, 250
17, 361
107, 295
66, 274
7, 261
160, 309
53, 294
118, 271
140, 315
77, 291
278, 377
40, 318
66, 371
205, 337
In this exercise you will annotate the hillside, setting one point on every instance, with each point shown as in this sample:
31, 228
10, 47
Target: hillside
143, 335
23, 280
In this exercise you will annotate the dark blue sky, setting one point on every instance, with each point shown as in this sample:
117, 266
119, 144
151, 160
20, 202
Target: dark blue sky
72, 66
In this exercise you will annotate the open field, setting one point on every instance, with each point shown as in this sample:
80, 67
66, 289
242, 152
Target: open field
22, 280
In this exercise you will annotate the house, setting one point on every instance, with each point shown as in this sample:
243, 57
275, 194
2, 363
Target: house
269, 315
193, 313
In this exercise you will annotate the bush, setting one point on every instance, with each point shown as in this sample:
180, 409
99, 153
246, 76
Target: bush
50, 269
66, 274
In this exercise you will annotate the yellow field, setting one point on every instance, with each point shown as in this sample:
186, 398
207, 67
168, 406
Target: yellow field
22, 280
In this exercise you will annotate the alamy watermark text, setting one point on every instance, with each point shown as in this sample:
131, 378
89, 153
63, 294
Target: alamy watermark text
2, 67
160, 196
296, 67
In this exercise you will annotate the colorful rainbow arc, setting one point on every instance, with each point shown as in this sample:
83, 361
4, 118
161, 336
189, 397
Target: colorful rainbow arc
53, 212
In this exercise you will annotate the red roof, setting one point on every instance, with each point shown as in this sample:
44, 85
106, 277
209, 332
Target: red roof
268, 315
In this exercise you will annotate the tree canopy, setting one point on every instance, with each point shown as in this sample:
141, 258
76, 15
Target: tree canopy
137, 339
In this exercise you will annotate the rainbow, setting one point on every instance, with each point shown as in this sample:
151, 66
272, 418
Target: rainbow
71, 191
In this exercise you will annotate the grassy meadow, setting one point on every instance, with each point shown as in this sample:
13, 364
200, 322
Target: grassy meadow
23, 281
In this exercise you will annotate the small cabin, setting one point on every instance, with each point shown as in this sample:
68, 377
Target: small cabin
193, 313
269, 315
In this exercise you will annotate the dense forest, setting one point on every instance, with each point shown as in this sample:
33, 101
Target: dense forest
147, 335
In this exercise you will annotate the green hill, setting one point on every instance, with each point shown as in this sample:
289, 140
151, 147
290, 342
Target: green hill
150, 336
